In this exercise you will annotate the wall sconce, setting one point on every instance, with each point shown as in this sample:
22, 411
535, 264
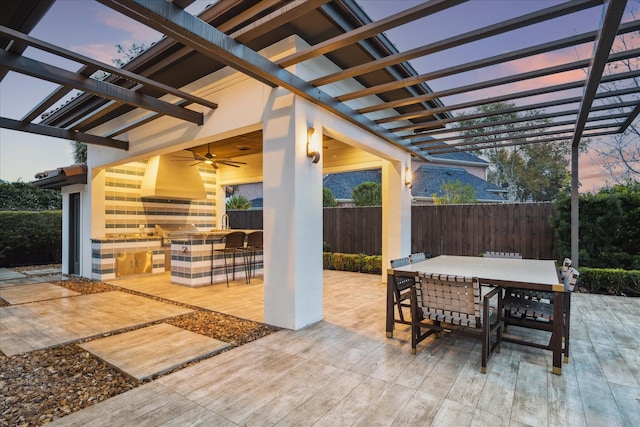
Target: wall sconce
407, 176
312, 151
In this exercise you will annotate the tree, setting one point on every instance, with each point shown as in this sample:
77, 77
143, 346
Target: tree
620, 153
455, 192
238, 202
126, 55
23, 196
79, 152
328, 201
367, 194
530, 171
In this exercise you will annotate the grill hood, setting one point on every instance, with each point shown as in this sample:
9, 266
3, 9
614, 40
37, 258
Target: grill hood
172, 177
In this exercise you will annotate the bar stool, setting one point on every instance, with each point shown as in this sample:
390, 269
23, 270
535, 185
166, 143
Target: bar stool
234, 245
254, 245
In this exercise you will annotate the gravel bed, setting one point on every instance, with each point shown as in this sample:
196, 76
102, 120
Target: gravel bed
44, 385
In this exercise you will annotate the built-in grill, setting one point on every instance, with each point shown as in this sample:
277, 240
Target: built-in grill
171, 232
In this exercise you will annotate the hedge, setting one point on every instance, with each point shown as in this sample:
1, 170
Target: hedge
30, 238
352, 262
612, 281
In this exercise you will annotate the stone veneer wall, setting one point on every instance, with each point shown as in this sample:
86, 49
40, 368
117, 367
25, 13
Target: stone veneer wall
125, 210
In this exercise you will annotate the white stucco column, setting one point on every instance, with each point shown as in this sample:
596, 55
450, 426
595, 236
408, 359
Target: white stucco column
396, 212
292, 213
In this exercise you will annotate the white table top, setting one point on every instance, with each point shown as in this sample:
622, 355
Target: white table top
502, 270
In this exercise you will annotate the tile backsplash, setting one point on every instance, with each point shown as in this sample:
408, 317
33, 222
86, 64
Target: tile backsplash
125, 210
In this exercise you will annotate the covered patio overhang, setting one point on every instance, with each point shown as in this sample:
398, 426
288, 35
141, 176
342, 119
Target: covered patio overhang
385, 103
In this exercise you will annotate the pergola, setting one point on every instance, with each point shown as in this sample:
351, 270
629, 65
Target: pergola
405, 113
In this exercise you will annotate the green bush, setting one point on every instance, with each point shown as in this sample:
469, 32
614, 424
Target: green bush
367, 194
609, 227
337, 261
372, 264
327, 261
238, 202
30, 238
352, 262
612, 281
328, 200
24, 196
326, 247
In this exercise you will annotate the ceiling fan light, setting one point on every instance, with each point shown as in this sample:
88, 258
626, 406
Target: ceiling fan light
208, 162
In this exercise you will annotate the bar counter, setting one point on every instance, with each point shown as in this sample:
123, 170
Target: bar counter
192, 263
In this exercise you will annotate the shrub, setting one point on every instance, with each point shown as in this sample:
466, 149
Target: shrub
352, 262
238, 202
328, 200
23, 196
30, 238
609, 227
337, 261
372, 264
326, 247
367, 194
613, 281
327, 260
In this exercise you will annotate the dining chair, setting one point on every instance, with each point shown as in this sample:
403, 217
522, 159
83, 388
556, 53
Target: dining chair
565, 268
490, 254
401, 285
455, 304
417, 257
535, 311
233, 245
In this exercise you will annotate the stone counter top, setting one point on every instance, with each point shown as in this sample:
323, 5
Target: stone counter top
210, 235
125, 238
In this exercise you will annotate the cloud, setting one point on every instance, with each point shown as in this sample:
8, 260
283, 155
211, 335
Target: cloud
103, 52
591, 174
136, 32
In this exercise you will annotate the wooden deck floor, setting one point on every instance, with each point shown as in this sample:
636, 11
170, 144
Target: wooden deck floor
344, 371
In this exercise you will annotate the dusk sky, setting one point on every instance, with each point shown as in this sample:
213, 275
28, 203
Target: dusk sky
92, 29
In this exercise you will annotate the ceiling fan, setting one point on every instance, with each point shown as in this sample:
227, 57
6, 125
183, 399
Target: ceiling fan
211, 159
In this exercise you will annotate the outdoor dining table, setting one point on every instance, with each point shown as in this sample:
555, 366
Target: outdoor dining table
538, 275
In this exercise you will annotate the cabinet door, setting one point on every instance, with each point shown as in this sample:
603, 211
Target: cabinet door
125, 263
144, 262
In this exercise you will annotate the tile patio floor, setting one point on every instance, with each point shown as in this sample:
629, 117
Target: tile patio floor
344, 371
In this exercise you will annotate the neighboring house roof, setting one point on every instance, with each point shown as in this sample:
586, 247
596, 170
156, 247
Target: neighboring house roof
459, 156
257, 203
342, 184
428, 179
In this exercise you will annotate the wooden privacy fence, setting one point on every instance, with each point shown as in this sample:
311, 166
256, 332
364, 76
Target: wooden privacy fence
438, 229
475, 228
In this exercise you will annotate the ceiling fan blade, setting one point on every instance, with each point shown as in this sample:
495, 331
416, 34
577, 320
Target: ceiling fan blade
196, 163
230, 161
228, 164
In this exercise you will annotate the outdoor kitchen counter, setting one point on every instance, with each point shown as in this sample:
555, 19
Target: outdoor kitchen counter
191, 258
108, 250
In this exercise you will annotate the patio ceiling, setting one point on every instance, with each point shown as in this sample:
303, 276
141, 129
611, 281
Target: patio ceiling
406, 112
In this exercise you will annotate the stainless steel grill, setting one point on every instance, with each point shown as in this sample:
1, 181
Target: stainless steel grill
170, 232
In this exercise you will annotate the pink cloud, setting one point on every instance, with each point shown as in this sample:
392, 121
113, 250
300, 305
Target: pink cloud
591, 173
136, 32
103, 52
